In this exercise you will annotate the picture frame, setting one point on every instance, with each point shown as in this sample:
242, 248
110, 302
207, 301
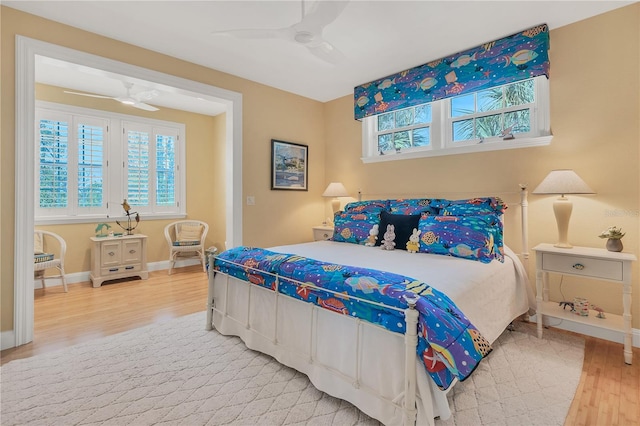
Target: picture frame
289, 166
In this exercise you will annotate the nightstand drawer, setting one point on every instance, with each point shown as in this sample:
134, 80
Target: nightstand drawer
576, 265
321, 233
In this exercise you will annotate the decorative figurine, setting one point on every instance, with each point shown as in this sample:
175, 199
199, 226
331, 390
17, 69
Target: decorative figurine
100, 230
127, 209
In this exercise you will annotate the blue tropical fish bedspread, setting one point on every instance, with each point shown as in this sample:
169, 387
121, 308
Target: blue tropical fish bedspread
448, 344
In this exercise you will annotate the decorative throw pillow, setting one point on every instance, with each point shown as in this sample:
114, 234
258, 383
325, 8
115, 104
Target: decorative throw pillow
369, 206
38, 247
353, 227
411, 206
189, 233
472, 206
404, 225
469, 237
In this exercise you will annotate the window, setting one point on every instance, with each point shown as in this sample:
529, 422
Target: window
510, 116
89, 161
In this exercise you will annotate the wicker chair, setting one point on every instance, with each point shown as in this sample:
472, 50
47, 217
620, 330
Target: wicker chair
186, 241
44, 258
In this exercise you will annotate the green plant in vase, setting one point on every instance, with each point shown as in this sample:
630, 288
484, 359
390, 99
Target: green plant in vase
614, 236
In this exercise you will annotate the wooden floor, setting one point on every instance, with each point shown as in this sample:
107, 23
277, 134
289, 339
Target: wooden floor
608, 393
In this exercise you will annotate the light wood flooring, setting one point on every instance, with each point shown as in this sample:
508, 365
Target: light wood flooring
608, 393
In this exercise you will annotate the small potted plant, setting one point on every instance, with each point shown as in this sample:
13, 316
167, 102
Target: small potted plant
614, 238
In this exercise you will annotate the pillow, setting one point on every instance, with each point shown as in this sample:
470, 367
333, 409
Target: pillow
470, 237
404, 226
472, 206
353, 227
42, 257
189, 233
369, 206
186, 243
38, 247
411, 206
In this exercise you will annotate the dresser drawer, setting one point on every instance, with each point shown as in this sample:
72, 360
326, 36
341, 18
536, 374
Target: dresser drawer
120, 269
576, 265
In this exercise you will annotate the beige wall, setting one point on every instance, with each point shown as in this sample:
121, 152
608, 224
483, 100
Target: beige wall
278, 216
595, 119
595, 68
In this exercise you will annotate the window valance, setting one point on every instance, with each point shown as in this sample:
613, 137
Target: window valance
516, 57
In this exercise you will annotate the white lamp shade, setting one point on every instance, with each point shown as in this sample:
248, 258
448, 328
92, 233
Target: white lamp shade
563, 182
335, 189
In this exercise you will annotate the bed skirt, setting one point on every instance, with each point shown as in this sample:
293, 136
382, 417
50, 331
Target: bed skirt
363, 364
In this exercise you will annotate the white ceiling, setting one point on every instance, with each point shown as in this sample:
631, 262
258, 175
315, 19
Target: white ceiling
378, 38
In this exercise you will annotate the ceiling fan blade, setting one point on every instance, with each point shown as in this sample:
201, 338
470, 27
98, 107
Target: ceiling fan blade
326, 51
146, 107
89, 95
255, 33
322, 13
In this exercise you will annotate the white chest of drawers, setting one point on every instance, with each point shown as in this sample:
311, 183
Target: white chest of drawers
590, 263
118, 257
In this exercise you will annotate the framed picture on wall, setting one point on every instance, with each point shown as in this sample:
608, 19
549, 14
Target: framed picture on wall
289, 165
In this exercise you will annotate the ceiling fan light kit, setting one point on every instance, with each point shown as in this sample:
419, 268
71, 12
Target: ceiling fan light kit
132, 100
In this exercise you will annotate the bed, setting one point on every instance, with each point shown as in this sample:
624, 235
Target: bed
369, 364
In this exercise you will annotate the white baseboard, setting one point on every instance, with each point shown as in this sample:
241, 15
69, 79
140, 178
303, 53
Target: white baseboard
78, 277
7, 340
588, 330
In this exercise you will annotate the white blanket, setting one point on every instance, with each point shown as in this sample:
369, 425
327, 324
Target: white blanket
491, 295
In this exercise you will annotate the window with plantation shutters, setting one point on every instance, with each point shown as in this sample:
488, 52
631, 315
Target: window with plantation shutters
88, 161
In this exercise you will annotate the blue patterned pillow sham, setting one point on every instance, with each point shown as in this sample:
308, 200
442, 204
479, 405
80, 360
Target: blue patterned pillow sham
470, 207
353, 227
470, 237
369, 206
411, 206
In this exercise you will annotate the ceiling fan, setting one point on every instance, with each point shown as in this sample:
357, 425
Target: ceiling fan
134, 100
307, 32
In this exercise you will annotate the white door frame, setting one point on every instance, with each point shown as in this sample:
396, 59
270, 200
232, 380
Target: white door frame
26, 51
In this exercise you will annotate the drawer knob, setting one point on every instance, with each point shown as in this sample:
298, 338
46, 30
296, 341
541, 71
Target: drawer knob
578, 266
132, 251
111, 253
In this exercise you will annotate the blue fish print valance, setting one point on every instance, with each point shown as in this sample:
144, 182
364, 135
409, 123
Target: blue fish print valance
517, 57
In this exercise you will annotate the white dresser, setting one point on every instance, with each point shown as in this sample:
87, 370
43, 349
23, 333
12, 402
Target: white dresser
118, 257
593, 264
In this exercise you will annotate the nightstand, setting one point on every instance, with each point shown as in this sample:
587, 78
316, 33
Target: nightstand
590, 263
323, 232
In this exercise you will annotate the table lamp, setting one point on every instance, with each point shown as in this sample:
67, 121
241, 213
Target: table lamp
563, 182
335, 190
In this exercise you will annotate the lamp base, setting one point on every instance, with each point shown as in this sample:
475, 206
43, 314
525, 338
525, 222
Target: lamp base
563, 245
562, 209
335, 205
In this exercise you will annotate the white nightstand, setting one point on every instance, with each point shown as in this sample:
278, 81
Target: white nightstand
118, 257
591, 263
323, 232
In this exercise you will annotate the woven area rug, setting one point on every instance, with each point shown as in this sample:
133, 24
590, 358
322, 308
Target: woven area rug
176, 373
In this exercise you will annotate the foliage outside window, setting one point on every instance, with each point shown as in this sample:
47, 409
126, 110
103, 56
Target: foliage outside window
510, 116
89, 161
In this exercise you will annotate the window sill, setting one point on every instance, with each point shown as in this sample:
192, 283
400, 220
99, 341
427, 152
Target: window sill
100, 219
495, 146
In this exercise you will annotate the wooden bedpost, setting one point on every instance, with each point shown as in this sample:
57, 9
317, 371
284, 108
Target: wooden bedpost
411, 343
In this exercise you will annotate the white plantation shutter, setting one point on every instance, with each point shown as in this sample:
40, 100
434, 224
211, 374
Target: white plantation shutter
84, 171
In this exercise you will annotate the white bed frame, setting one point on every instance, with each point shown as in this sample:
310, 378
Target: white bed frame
265, 338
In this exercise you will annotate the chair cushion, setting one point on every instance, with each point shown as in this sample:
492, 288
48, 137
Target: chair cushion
42, 257
186, 243
37, 243
189, 233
